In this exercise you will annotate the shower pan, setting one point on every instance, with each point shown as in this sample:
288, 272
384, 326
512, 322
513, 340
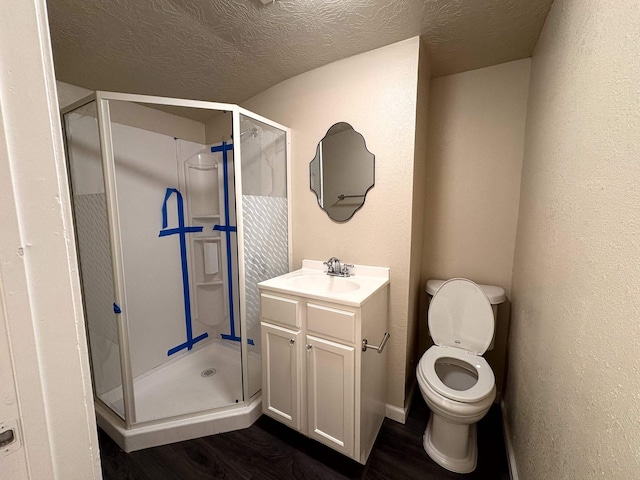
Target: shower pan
180, 208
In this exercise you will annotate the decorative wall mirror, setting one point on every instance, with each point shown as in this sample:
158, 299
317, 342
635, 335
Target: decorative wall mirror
342, 172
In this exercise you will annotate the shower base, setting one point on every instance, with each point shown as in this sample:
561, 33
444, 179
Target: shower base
187, 390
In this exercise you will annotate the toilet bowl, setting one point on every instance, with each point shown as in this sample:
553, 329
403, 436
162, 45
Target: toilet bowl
455, 380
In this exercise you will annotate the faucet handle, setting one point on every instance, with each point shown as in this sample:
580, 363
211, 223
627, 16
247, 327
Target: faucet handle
344, 271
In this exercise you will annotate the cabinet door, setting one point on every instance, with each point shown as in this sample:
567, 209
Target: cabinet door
281, 354
330, 393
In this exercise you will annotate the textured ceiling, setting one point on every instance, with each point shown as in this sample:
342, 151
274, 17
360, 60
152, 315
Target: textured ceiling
228, 51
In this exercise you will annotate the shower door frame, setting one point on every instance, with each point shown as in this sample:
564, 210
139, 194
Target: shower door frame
102, 99
237, 149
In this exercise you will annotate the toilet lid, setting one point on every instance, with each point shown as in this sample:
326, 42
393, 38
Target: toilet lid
460, 316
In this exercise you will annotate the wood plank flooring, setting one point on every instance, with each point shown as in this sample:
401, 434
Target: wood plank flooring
268, 450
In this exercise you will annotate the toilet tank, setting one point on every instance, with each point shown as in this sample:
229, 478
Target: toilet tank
496, 296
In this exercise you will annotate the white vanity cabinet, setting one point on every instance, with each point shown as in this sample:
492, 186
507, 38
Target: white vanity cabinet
315, 377
331, 393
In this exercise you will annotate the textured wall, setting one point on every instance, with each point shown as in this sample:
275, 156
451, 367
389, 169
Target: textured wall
417, 220
376, 93
475, 148
573, 391
476, 142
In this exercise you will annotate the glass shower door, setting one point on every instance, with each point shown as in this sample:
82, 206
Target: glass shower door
177, 223
265, 221
94, 253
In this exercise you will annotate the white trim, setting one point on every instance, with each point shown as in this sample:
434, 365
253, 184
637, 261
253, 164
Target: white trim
52, 407
511, 457
396, 413
117, 263
260, 118
176, 102
239, 211
289, 200
399, 414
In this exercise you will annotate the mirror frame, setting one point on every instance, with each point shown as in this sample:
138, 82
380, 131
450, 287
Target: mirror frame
373, 173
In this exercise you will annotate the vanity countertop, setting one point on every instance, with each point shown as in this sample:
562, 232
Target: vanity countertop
311, 281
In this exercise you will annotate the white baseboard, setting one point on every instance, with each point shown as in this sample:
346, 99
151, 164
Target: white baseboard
396, 413
400, 414
511, 457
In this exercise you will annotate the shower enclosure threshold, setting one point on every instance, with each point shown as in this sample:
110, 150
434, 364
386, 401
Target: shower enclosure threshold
163, 432
199, 391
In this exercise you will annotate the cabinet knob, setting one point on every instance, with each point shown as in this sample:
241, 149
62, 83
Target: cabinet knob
292, 341
309, 347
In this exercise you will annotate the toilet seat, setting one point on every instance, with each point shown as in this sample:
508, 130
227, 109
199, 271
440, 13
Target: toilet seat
461, 324
482, 388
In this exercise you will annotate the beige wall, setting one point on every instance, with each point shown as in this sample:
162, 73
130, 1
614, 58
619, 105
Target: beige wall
68, 94
417, 220
376, 93
475, 148
219, 128
573, 390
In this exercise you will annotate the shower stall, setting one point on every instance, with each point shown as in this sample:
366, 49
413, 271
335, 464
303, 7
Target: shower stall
180, 207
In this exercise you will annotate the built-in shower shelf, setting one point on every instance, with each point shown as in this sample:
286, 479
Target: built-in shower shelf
203, 167
210, 283
206, 239
206, 217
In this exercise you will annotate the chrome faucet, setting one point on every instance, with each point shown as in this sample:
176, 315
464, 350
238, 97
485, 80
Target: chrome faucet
337, 269
333, 266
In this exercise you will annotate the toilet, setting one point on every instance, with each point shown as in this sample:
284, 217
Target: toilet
455, 380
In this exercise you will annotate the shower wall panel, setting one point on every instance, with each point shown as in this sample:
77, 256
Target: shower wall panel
146, 165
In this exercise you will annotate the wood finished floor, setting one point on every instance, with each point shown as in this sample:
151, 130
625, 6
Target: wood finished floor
269, 450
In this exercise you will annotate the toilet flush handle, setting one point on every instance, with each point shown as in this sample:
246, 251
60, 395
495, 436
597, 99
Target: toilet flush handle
378, 348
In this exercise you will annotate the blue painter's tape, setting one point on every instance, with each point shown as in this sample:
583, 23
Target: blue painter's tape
224, 147
181, 231
224, 228
233, 338
228, 229
188, 344
116, 309
173, 231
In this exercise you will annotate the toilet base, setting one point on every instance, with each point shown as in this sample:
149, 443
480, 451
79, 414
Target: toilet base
465, 464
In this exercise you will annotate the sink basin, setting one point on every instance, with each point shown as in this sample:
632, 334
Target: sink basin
323, 283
